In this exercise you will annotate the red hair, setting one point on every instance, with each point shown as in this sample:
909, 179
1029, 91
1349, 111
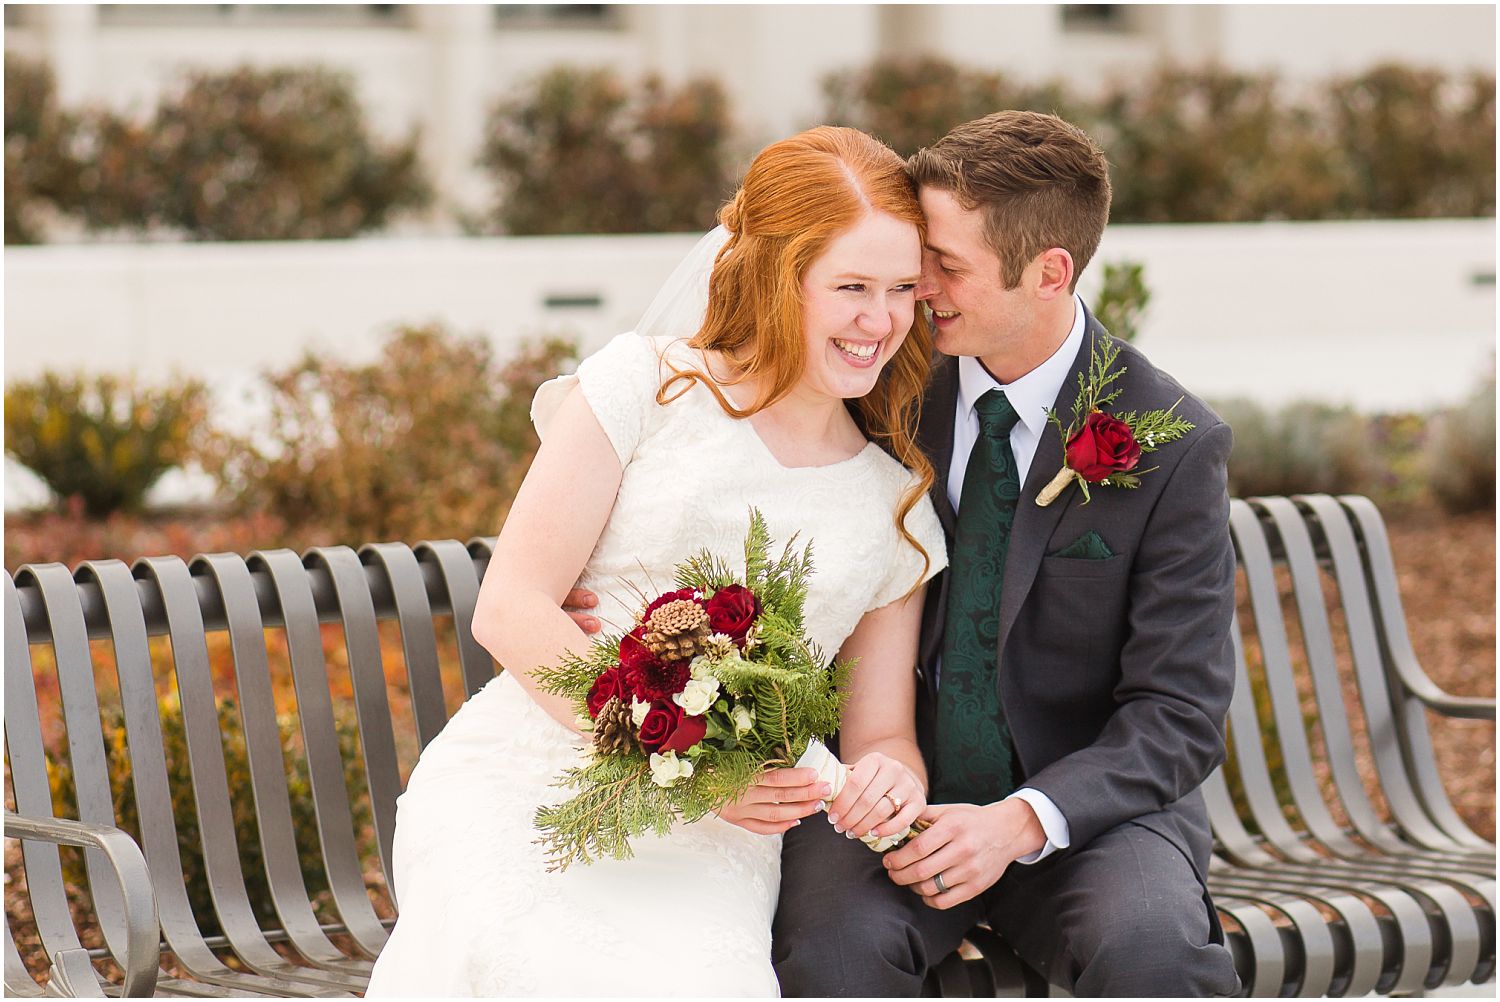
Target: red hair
798, 195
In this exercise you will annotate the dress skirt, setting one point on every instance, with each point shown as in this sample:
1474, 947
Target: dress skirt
479, 915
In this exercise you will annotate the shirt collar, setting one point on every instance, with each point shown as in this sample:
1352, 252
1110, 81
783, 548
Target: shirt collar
1033, 393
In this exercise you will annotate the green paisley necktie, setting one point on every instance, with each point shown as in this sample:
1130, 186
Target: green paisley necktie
973, 763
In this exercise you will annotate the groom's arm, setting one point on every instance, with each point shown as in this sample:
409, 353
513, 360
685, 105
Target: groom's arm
1177, 664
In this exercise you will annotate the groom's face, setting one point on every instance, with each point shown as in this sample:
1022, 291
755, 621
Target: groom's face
972, 311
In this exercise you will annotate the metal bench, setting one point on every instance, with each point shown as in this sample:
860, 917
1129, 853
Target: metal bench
1322, 891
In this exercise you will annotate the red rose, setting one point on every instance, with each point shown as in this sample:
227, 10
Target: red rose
667, 728
671, 596
690, 731
605, 686
732, 611
1104, 445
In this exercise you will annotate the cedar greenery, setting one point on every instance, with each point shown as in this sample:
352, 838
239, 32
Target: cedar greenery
1096, 391
783, 677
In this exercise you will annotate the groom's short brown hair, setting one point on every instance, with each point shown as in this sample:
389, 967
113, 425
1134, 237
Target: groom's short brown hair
1040, 182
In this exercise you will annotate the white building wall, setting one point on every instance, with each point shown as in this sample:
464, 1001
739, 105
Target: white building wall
1382, 315
1313, 41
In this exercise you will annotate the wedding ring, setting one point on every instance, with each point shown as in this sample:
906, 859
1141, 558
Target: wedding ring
942, 887
896, 801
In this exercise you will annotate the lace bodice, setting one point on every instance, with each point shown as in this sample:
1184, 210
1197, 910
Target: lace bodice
691, 474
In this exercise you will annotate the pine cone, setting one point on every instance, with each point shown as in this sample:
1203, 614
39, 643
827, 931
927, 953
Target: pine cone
678, 631
614, 733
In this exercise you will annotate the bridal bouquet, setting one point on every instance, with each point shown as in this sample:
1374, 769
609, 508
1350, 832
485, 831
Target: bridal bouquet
716, 682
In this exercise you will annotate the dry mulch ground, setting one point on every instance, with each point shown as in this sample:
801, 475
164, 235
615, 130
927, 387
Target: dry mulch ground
1446, 567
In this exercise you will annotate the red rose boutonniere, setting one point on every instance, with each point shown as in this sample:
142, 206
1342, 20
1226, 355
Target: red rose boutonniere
1104, 449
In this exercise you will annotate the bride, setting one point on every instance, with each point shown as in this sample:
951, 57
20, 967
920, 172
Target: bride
809, 342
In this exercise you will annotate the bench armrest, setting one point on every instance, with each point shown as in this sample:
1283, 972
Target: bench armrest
1449, 705
142, 960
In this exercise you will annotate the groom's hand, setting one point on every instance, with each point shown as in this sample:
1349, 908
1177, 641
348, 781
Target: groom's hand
576, 605
971, 846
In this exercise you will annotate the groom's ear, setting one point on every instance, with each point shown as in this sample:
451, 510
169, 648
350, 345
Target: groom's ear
1054, 271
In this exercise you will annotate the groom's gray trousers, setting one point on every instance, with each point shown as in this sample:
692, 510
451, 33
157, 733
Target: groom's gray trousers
1125, 915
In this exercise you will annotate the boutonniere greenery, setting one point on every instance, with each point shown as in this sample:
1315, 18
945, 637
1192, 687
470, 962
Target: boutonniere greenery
1103, 449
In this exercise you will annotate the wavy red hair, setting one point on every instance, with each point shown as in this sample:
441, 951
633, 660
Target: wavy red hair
798, 195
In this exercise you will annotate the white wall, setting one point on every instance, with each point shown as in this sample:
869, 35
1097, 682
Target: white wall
1383, 315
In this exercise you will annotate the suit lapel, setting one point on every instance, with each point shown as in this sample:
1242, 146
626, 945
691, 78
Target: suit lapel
935, 435
1034, 525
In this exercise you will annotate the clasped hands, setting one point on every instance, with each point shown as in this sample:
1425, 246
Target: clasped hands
968, 845
881, 796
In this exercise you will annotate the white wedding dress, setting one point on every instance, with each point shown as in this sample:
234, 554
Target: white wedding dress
691, 913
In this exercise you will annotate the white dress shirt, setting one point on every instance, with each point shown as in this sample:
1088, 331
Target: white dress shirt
1030, 395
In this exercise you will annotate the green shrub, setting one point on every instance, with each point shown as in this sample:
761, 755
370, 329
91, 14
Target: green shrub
1214, 145
910, 103
184, 813
1460, 463
1417, 143
281, 154
1122, 299
38, 168
1303, 448
429, 441
1208, 144
581, 151
104, 439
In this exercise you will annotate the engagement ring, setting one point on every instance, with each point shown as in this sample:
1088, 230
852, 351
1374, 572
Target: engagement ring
896, 801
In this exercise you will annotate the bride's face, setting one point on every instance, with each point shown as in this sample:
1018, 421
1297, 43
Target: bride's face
859, 298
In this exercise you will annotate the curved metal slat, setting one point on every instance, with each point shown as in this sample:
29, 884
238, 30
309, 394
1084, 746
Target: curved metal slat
320, 745
1356, 961
75, 679
418, 640
152, 785
27, 756
1407, 672
18, 981
456, 571
1359, 625
1317, 643
231, 578
1255, 560
482, 550
1267, 970
367, 670
203, 731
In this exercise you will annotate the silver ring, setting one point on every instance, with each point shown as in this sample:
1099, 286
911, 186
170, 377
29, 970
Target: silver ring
942, 887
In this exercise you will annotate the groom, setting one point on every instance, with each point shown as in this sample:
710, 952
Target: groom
1076, 661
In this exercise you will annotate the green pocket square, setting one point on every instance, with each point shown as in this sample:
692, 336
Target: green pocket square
1089, 546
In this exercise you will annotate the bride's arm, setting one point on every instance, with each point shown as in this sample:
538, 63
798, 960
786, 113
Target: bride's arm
878, 732
557, 517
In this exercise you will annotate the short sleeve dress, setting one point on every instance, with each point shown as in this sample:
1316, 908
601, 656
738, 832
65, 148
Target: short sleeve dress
691, 913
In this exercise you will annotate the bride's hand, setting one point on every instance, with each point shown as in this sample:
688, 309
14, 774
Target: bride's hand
881, 795
778, 801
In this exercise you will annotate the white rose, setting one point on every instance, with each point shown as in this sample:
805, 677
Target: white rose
667, 769
697, 696
700, 668
744, 719
638, 710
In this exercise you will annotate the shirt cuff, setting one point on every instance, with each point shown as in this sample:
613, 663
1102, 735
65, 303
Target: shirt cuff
1054, 825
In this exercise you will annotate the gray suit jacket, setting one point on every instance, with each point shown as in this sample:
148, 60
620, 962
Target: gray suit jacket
1114, 674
